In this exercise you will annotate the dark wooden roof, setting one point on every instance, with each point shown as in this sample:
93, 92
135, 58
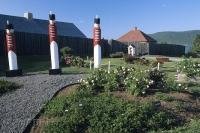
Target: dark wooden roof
39, 26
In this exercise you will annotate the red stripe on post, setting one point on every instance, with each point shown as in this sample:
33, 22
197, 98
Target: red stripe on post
10, 39
52, 32
96, 36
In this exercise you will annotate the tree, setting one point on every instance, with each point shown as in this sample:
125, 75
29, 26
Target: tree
196, 44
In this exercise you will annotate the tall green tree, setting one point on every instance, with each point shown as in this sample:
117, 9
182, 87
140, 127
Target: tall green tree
196, 44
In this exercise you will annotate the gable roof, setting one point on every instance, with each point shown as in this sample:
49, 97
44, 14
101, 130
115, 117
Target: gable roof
39, 26
136, 36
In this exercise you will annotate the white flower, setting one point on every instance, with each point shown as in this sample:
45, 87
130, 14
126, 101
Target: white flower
147, 86
151, 82
66, 110
143, 92
184, 67
80, 104
92, 81
179, 85
186, 88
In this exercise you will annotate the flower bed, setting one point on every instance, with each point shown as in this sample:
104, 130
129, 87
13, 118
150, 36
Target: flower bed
189, 67
83, 111
122, 101
135, 81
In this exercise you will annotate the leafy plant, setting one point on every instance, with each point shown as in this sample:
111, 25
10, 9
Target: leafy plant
158, 79
85, 112
137, 82
189, 67
66, 51
196, 44
6, 86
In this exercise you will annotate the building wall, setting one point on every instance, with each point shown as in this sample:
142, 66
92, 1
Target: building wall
116, 46
148, 48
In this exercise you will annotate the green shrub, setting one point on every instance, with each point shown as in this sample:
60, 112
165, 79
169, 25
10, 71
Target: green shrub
6, 86
189, 67
66, 51
172, 85
158, 79
77, 61
84, 112
137, 82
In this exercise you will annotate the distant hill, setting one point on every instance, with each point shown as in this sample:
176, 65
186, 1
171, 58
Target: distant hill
182, 38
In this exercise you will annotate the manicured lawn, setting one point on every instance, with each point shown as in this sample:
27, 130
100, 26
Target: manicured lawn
41, 64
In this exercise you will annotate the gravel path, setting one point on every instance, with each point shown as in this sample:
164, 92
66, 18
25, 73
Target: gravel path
19, 107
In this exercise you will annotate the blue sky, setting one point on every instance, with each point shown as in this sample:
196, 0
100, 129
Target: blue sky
117, 16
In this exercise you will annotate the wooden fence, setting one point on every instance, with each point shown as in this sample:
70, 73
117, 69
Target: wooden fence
38, 44
166, 49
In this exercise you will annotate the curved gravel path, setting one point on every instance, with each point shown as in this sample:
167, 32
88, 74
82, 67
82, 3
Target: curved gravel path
19, 107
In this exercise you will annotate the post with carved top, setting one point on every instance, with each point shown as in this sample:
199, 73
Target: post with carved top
96, 42
11, 49
55, 66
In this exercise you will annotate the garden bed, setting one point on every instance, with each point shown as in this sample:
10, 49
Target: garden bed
122, 100
38, 124
181, 106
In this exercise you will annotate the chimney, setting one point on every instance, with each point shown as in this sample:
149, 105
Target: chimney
28, 15
136, 28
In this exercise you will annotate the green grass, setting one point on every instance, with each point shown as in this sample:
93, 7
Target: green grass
41, 64
6, 86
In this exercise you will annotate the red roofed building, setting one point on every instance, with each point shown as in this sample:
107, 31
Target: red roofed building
136, 36
139, 40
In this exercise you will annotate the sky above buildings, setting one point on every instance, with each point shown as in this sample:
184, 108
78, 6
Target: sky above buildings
117, 16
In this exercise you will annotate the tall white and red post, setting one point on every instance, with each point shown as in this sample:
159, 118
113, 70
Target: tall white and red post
55, 66
96, 42
11, 49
